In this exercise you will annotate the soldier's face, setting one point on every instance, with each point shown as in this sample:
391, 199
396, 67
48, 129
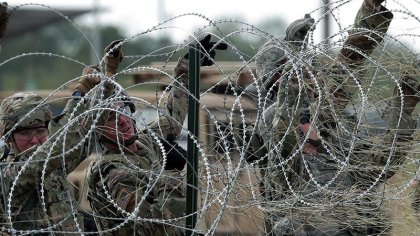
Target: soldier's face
120, 126
28, 137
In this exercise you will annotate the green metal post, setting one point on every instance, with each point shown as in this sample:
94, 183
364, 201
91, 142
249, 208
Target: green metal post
193, 124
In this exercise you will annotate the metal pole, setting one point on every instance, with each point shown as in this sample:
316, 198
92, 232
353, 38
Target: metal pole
193, 124
327, 20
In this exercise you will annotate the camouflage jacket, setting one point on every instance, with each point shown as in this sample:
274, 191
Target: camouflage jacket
35, 192
316, 183
131, 193
368, 30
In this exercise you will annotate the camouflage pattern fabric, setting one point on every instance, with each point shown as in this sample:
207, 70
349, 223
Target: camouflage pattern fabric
311, 183
415, 204
268, 61
271, 62
21, 110
130, 192
134, 183
40, 199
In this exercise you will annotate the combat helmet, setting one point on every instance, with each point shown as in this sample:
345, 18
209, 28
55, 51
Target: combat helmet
21, 110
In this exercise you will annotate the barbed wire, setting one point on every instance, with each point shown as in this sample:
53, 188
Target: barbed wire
261, 171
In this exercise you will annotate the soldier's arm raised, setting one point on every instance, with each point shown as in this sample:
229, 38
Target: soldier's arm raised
371, 23
170, 122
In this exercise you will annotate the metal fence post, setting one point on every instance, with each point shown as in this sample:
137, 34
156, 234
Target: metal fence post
193, 128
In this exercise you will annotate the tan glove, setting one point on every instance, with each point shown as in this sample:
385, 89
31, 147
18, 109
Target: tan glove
4, 18
113, 58
88, 80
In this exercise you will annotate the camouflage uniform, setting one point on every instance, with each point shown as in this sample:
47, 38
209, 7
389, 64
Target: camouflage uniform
120, 182
415, 204
34, 185
270, 63
327, 193
416, 198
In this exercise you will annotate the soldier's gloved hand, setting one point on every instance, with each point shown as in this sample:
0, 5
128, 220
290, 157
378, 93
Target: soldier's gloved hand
298, 29
374, 5
207, 50
114, 55
4, 18
88, 79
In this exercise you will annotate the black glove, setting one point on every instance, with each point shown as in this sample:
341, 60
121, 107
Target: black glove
176, 155
207, 49
4, 18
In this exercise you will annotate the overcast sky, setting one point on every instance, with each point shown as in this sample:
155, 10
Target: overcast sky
137, 16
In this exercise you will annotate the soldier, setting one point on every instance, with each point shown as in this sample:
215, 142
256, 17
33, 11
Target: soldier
314, 180
35, 194
415, 204
135, 188
270, 63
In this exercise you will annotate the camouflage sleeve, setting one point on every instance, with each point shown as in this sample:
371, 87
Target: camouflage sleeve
128, 187
289, 107
58, 122
170, 121
398, 140
171, 200
396, 143
133, 189
115, 190
69, 141
367, 32
260, 135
